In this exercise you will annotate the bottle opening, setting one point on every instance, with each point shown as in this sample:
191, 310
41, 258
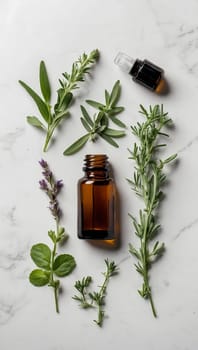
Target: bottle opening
96, 162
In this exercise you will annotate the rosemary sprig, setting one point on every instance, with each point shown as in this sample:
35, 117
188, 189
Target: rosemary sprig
53, 116
98, 126
51, 265
147, 182
95, 299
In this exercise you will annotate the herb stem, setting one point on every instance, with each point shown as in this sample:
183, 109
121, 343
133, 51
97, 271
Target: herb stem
56, 298
55, 283
147, 182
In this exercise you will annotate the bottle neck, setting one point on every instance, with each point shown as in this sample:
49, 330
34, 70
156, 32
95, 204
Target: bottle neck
96, 166
135, 68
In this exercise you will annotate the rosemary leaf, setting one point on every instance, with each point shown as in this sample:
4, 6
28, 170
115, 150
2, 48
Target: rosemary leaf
147, 182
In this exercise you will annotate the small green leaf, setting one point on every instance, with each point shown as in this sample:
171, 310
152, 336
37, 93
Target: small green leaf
85, 124
115, 94
66, 101
39, 102
99, 118
39, 278
77, 145
41, 255
44, 82
109, 140
95, 104
114, 133
34, 121
116, 110
86, 116
52, 235
169, 159
107, 97
117, 122
63, 265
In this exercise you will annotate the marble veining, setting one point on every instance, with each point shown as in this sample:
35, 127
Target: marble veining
187, 227
58, 31
188, 145
8, 140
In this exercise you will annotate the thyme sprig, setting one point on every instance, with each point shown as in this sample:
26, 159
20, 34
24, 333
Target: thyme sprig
95, 299
147, 183
98, 126
53, 116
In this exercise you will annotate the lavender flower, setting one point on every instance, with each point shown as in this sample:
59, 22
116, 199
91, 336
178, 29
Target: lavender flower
52, 188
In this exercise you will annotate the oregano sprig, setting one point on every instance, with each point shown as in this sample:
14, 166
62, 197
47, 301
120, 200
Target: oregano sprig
51, 265
98, 125
147, 182
95, 299
53, 116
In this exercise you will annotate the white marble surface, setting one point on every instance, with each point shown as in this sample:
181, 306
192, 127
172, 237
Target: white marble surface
165, 32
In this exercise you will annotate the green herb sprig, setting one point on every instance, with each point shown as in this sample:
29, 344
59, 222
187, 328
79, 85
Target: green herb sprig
53, 116
95, 299
47, 260
98, 126
147, 182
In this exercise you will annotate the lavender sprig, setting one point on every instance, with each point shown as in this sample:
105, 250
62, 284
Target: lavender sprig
52, 188
45, 258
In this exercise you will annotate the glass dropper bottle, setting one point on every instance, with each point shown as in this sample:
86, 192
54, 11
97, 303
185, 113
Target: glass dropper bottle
143, 72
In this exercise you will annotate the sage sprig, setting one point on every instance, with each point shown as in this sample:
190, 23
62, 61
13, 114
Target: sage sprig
51, 265
98, 125
147, 182
95, 299
53, 116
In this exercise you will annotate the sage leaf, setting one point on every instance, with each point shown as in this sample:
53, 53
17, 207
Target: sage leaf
63, 265
107, 97
114, 133
41, 255
86, 116
77, 145
95, 104
116, 110
39, 278
109, 140
35, 122
115, 94
44, 82
117, 122
65, 102
85, 124
39, 102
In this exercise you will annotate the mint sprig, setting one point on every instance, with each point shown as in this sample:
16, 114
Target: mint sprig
53, 116
50, 264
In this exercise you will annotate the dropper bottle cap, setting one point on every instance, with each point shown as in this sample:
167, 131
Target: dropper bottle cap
143, 72
124, 61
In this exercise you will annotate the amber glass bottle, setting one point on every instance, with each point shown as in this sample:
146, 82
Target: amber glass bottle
96, 200
143, 72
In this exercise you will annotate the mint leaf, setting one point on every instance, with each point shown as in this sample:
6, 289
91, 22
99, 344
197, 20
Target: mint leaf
76, 146
41, 255
63, 265
39, 278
